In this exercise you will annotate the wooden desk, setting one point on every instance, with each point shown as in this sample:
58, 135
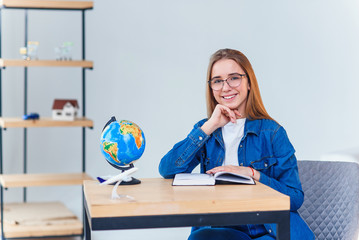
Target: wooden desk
158, 204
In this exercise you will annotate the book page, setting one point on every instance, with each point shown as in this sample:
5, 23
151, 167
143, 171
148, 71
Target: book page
233, 177
193, 179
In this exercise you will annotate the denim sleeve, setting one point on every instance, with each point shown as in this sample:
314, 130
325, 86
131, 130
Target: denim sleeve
185, 155
286, 179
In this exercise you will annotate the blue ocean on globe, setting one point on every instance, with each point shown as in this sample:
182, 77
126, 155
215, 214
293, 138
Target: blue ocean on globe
122, 142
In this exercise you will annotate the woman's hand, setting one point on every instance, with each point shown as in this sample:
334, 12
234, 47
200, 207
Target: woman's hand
220, 117
247, 171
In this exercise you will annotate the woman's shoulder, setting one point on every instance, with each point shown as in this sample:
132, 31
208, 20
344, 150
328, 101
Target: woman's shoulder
269, 129
270, 123
264, 124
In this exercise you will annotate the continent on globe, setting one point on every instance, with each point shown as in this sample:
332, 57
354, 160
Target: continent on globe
111, 149
134, 130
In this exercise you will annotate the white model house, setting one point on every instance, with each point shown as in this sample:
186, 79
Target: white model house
65, 109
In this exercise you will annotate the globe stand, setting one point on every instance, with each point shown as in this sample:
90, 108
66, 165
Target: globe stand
123, 178
128, 180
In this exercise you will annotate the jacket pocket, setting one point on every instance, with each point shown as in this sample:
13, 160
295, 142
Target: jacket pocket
264, 163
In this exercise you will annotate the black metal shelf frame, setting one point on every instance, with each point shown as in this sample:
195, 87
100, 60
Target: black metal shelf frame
26, 103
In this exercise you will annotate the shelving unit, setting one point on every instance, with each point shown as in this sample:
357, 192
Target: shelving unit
26, 220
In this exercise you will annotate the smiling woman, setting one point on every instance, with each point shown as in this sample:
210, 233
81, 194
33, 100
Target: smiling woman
239, 136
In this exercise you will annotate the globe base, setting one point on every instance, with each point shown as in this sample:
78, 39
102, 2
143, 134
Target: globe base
128, 180
124, 175
122, 168
132, 181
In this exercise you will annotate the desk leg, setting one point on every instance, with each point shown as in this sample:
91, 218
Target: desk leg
87, 229
283, 227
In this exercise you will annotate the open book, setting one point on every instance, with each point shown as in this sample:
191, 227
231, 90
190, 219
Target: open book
192, 179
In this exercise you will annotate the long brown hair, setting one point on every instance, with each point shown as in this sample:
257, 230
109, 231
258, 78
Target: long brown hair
254, 107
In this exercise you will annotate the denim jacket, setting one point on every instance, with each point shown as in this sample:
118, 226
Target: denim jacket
265, 147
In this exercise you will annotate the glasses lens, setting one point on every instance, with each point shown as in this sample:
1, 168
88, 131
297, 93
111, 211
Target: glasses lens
234, 81
216, 84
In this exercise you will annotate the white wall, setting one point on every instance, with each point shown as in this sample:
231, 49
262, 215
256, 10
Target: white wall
150, 67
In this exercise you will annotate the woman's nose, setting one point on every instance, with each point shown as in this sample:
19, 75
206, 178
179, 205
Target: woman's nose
226, 86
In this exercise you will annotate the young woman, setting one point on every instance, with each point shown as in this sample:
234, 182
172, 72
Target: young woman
239, 136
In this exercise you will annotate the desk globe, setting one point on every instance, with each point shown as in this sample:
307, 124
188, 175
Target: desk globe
122, 143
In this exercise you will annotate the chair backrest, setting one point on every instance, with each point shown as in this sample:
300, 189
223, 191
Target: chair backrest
331, 198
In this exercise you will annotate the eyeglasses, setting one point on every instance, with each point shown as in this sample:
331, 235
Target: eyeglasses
232, 81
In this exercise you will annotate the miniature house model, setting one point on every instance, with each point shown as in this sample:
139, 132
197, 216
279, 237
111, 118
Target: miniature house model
65, 109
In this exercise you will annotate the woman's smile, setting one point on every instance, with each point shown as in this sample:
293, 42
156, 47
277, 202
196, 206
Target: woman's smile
229, 97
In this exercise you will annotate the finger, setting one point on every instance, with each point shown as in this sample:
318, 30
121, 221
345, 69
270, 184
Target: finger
226, 114
236, 112
213, 170
233, 117
229, 113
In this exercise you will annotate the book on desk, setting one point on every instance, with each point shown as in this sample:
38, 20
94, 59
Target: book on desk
202, 179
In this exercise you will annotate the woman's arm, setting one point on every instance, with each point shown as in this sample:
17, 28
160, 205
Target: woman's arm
288, 184
286, 177
185, 155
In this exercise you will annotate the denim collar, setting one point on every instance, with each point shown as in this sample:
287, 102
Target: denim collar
250, 126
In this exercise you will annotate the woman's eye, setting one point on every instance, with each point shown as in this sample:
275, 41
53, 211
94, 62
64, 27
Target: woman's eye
217, 81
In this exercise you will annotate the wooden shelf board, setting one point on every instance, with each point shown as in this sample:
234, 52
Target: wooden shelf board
12, 122
32, 180
39, 220
47, 4
44, 63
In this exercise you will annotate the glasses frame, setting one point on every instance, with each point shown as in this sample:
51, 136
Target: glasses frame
226, 80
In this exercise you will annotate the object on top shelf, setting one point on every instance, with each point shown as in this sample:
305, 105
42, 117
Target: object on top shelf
31, 116
23, 52
30, 52
65, 109
32, 48
64, 52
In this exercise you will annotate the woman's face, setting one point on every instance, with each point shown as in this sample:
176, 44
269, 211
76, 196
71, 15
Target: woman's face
232, 97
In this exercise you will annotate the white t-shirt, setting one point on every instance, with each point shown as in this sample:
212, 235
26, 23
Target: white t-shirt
232, 136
